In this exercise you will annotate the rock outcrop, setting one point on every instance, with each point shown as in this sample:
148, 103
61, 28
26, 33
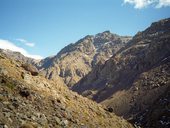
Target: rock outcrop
30, 68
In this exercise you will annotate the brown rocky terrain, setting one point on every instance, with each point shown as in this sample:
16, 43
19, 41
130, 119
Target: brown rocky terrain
135, 79
158, 115
75, 61
31, 101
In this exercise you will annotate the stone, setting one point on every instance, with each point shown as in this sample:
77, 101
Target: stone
5, 126
15, 104
3, 71
6, 103
2, 125
32, 69
109, 109
33, 117
64, 122
7, 114
58, 121
10, 120
26, 77
40, 118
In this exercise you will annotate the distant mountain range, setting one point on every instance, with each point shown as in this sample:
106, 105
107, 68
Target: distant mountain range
129, 76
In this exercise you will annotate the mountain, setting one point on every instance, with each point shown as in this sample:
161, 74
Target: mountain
135, 79
17, 56
74, 61
127, 76
30, 101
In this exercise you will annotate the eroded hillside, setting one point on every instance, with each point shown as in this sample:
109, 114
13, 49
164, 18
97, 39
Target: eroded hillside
29, 101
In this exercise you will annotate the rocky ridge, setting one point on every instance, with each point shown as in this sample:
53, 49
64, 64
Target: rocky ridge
135, 78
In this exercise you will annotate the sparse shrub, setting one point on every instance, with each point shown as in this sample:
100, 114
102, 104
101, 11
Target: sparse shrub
10, 85
24, 92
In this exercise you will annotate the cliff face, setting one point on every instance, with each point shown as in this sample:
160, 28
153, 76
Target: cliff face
136, 76
74, 61
31, 101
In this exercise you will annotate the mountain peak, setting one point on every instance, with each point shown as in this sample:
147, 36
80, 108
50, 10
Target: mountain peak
76, 60
107, 31
161, 22
104, 34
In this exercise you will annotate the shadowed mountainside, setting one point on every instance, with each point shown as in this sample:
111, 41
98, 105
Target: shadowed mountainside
135, 77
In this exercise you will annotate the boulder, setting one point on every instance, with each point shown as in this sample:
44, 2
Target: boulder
32, 69
3, 71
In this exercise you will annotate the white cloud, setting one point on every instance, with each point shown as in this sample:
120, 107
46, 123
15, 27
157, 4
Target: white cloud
139, 4
5, 44
30, 44
21, 40
163, 3
26, 42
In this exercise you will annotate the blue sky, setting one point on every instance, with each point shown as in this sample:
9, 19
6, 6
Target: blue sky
43, 27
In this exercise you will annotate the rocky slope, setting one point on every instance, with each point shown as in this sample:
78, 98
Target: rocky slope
158, 115
135, 78
30, 101
76, 60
